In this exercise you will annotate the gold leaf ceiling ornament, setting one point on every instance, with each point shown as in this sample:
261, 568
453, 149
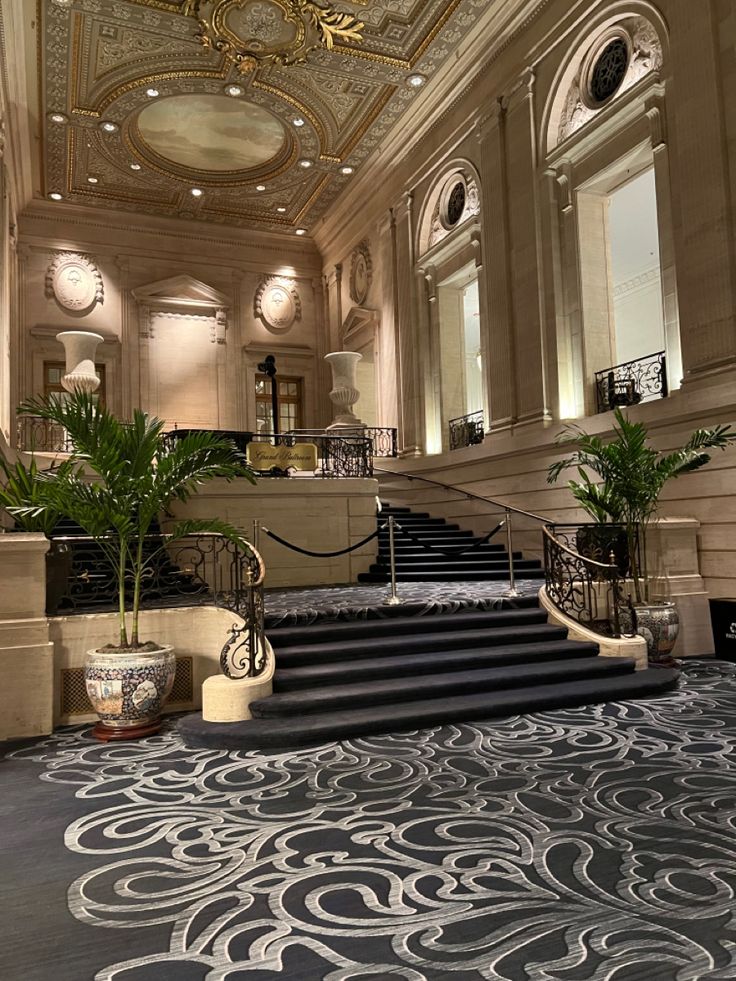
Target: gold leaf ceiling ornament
252, 33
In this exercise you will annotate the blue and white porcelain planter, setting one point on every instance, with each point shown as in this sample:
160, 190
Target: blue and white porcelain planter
659, 625
128, 689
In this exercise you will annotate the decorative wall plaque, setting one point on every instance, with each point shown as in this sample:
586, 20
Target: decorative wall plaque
458, 201
277, 304
75, 282
361, 273
616, 60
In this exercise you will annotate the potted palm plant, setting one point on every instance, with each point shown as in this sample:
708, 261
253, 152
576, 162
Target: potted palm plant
120, 478
630, 477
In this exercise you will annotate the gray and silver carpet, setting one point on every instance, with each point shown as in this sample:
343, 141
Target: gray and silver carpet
595, 844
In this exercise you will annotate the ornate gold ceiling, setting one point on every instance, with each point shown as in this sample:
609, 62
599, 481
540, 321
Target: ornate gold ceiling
144, 115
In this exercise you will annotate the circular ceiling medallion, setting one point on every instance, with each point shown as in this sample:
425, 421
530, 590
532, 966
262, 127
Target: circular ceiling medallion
211, 132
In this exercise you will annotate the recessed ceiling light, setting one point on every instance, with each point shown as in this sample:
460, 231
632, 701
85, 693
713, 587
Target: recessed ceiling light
135, 166
108, 127
260, 187
152, 93
416, 81
301, 231
281, 211
234, 90
347, 170
93, 180
298, 121
306, 163
196, 192
58, 117
55, 196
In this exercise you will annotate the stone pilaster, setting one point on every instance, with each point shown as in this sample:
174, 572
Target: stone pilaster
523, 239
411, 357
499, 370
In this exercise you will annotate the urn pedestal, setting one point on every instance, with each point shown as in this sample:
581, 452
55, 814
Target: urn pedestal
80, 347
344, 393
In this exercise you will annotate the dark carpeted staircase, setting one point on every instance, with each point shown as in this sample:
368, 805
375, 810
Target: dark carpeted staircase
417, 563
338, 680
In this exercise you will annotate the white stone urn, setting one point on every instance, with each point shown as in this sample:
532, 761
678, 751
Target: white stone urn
80, 347
344, 392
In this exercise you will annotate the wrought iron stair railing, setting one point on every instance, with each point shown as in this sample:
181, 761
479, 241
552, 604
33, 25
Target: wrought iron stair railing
195, 570
578, 586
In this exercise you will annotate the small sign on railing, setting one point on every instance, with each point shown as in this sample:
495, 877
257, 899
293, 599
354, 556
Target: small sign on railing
266, 456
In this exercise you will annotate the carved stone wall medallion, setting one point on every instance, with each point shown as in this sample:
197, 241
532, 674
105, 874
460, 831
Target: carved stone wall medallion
361, 273
75, 282
277, 304
618, 59
458, 202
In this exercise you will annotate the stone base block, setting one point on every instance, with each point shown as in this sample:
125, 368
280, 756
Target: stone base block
228, 700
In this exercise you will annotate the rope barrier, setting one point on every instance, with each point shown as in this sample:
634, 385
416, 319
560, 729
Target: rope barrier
322, 555
457, 551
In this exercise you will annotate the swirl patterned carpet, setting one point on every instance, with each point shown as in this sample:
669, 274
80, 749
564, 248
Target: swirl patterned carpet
576, 845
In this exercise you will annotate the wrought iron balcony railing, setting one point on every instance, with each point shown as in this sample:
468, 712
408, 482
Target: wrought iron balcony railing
384, 440
337, 456
632, 382
37, 435
467, 430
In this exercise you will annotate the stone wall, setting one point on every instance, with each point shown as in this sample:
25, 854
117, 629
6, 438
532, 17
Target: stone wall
187, 314
544, 164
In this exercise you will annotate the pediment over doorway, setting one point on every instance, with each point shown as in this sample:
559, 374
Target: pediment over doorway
358, 321
181, 291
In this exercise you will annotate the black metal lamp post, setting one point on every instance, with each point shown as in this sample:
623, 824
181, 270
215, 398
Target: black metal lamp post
268, 368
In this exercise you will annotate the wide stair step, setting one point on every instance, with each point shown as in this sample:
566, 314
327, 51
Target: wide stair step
394, 622
455, 682
317, 727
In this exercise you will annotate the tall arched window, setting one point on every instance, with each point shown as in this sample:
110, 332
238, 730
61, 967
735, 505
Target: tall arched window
618, 328
448, 269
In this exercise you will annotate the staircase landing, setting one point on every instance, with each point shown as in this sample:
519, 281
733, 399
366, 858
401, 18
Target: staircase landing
359, 602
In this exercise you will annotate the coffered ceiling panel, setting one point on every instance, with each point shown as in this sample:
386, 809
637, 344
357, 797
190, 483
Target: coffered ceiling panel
137, 112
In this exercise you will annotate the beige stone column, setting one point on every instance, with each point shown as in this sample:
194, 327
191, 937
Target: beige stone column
410, 341
523, 239
499, 366
430, 357
675, 570
129, 380
236, 341
26, 654
19, 339
323, 408
596, 291
655, 110
389, 376
337, 337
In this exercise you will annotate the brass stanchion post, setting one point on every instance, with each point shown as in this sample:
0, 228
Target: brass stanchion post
512, 590
393, 599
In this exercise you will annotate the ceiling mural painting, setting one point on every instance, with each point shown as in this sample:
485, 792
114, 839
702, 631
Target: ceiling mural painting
140, 114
